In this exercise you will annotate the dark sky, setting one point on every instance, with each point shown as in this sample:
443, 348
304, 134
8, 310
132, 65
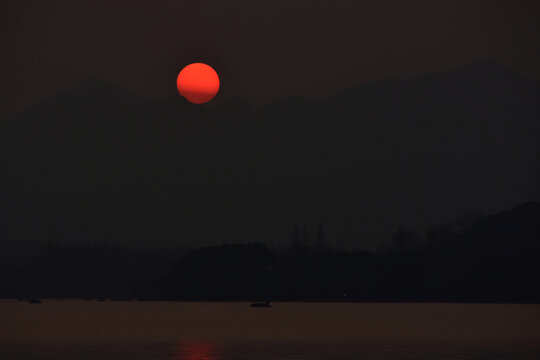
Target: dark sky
262, 50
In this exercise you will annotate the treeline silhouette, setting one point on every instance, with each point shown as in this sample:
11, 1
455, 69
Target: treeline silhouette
474, 259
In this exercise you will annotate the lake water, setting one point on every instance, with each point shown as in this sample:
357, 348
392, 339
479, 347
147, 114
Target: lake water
77, 329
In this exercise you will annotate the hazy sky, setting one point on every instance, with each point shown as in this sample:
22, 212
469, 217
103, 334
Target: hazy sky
262, 50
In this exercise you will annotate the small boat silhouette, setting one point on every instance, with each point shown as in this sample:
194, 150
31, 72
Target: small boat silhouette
34, 301
261, 304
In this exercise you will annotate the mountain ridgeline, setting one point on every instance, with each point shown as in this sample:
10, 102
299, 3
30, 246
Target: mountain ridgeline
100, 164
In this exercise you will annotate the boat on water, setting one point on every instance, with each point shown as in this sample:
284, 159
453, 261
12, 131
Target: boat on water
34, 301
261, 304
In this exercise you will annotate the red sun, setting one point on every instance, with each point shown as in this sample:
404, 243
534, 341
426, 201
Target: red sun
198, 83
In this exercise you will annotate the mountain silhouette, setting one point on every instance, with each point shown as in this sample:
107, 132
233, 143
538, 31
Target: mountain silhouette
98, 162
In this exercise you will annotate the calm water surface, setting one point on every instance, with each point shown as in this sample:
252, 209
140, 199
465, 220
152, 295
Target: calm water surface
76, 329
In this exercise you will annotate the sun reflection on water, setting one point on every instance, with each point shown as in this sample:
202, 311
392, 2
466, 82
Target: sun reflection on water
196, 351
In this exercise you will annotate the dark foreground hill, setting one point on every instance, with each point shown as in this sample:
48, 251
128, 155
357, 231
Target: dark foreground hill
99, 164
491, 259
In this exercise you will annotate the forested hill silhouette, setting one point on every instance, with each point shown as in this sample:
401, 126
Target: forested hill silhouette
473, 259
493, 259
98, 163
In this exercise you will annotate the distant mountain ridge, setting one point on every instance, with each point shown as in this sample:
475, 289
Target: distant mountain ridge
97, 162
